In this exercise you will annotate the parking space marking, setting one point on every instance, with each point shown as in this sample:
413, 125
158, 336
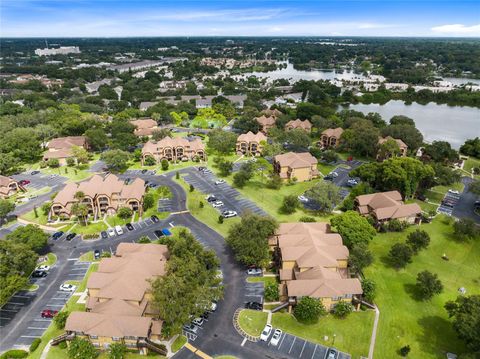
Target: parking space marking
281, 341
15, 303
9, 310
35, 328
30, 336
294, 338
314, 350
54, 305
302, 348
42, 320
21, 296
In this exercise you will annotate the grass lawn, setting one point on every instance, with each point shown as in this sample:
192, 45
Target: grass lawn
471, 163
425, 206
87, 257
31, 287
352, 333
265, 280
325, 168
40, 218
226, 357
252, 321
91, 228
179, 343
207, 214
404, 320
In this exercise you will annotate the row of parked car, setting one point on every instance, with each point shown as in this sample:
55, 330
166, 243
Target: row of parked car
217, 203
197, 323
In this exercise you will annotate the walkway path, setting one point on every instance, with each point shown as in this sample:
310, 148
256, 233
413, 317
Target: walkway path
374, 334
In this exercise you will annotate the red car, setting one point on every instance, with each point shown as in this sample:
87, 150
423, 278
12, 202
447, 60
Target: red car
47, 313
24, 182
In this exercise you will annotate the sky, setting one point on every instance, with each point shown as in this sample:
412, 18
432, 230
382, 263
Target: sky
117, 18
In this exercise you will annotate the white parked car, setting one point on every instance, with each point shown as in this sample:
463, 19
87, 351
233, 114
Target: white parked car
302, 198
198, 322
453, 191
217, 204
44, 268
220, 181
266, 333
111, 232
277, 334
68, 288
254, 271
213, 307
228, 214
119, 230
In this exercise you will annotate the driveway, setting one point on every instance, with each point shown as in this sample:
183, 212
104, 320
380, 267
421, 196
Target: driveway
464, 206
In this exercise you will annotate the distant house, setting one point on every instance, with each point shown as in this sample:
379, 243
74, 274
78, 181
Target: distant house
330, 138
102, 195
299, 124
313, 262
266, 123
61, 147
299, 166
250, 143
144, 127
203, 103
385, 206
174, 149
8, 187
401, 145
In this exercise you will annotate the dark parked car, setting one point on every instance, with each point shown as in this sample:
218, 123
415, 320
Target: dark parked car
57, 235
158, 233
34, 172
39, 274
205, 315
104, 234
211, 199
254, 305
154, 218
71, 236
96, 254
144, 171
129, 227
47, 313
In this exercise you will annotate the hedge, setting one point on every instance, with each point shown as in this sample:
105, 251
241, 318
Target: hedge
36, 342
14, 354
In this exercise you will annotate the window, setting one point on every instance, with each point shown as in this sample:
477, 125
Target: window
115, 339
93, 336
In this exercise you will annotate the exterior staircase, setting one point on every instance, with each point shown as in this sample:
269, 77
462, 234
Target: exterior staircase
281, 306
59, 339
157, 348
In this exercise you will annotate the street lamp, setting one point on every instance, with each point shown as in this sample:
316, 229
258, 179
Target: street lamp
334, 336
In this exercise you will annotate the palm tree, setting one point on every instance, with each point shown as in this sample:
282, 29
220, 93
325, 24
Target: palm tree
79, 209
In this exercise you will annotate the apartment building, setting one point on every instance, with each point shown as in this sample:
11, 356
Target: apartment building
144, 127
401, 145
62, 50
266, 123
250, 144
61, 148
313, 262
385, 206
174, 149
296, 166
299, 124
8, 187
101, 195
118, 305
330, 138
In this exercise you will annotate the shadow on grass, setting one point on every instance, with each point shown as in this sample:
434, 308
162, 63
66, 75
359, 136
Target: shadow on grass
438, 337
413, 292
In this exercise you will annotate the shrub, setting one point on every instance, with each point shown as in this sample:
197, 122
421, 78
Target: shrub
368, 288
201, 205
164, 165
62, 345
144, 240
290, 204
192, 188
394, 225
342, 309
360, 257
275, 182
148, 201
70, 161
149, 161
53, 162
82, 349
271, 292
117, 351
43, 164
14, 354
90, 236
405, 350
61, 319
36, 342
220, 219
177, 175
124, 212
309, 310
106, 254
307, 219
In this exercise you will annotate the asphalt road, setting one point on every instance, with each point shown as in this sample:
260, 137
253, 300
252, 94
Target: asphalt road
464, 207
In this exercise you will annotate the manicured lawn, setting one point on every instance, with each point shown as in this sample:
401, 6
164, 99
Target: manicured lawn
424, 326
91, 228
471, 163
252, 321
226, 357
425, 206
40, 218
325, 168
31, 287
51, 259
179, 343
265, 280
86, 257
352, 334
207, 214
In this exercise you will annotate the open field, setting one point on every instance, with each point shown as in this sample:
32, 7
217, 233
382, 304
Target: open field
404, 320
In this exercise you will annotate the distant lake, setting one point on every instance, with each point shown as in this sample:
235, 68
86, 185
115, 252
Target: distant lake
295, 75
454, 124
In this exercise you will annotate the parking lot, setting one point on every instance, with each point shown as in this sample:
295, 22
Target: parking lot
254, 292
291, 346
205, 182
448, 203
39, 180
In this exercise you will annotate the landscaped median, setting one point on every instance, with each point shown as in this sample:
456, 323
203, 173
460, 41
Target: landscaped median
252, 322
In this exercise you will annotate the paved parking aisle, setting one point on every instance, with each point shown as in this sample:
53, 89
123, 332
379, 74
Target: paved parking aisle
165, 205
254, 292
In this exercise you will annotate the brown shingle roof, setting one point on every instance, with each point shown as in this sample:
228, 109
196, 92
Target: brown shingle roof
251, 137
386, 205
265, 121
324, 288
335, 132
296, 160
399, 142
304, 125
67, 142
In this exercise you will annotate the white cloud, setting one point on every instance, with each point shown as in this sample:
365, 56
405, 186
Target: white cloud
457, 29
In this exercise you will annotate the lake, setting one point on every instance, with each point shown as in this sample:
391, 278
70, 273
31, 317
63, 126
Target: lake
454, 124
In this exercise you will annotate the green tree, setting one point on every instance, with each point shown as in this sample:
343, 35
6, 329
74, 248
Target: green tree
80, 154
125, 212
248, 239
360, 257
31, 235
116, 160
342, 309
388, 149
290, 204
418, 240
61, 319
208, 118
144, 240
405, 350
274, 182
308, 310
465, 229
428, 284
117, 351
157, 135
165, 165
222, 141
148, 201
97, 138
471, 147
353, 228
70, 161
474, 187
53, 163
465, 311
225, 167
441, 151
369, 289
5, 208
400, 255
361, 138
82, 349
271, 292
326, 194
8, 164
412, 137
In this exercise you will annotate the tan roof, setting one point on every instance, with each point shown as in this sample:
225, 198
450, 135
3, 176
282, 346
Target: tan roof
251, 137
108, 325
324, 288
333, 132
296, 160
400, 143
386, 205
169, 142
301, 227
61, 153
144, 127
266, 121
67, 142
273, 113
402, 211
304, 125
5, 181
381, 199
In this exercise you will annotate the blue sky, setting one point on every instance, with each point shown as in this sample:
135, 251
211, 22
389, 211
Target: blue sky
111, 18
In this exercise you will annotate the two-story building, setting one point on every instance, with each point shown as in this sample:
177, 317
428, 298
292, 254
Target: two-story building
118, 304
330, 138
266, 123
313, 262
8, 187
61, 148
296, 166
305, 125
402, 146
144, 127
174, 149
250, 144
385, 206
101, 195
